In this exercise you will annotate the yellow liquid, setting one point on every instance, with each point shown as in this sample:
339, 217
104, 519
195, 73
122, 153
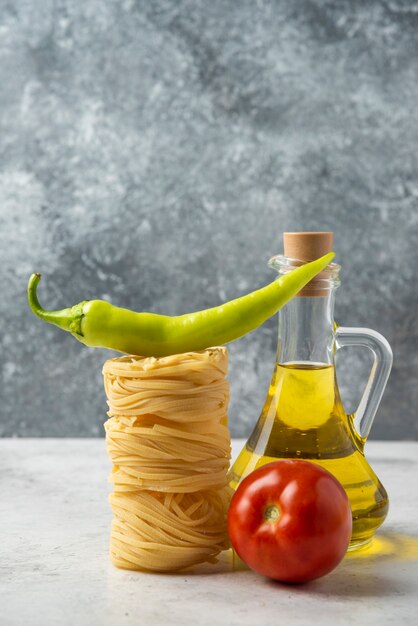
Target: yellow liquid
303, 417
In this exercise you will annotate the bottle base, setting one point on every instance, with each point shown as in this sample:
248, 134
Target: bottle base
359, 544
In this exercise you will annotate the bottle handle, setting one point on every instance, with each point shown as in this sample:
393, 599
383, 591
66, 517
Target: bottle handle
379, 374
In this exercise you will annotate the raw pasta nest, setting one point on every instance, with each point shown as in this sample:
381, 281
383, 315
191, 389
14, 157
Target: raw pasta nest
169, 443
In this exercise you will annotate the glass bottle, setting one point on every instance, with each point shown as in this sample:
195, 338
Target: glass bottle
303, 416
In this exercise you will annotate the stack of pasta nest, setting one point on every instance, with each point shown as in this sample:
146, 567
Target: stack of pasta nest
169, 443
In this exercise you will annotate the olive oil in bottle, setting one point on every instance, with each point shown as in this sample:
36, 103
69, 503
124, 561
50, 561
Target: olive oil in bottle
303, 418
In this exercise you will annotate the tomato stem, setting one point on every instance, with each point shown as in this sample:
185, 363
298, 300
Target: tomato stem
272, 513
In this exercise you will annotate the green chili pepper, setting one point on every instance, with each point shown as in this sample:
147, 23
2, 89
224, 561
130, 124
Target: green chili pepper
100, 324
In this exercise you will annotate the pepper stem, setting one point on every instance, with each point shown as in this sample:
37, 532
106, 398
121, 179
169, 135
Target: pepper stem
67, 319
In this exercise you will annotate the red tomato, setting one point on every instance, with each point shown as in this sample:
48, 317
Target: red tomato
290, 520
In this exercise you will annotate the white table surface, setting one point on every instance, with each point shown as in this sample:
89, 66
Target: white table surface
54, 566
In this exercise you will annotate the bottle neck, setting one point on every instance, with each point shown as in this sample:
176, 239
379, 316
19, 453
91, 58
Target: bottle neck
306, 330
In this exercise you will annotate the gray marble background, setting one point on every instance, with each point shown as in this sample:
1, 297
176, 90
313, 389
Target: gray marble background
152, 153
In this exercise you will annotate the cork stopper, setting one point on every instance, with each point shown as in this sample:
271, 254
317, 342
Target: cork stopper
308, 246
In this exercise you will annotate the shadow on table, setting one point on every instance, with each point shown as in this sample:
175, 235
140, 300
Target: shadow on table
377, 570
386, 546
